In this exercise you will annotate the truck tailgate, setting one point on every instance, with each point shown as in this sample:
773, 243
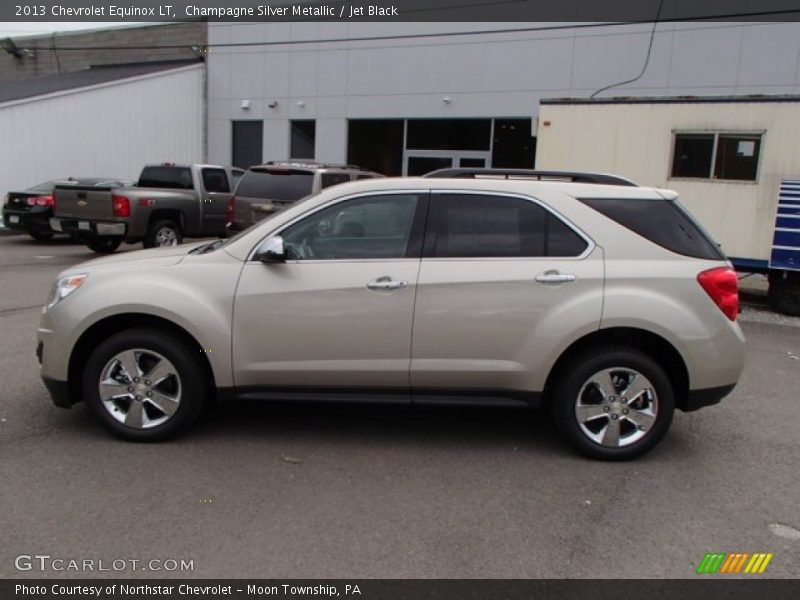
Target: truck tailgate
83, 202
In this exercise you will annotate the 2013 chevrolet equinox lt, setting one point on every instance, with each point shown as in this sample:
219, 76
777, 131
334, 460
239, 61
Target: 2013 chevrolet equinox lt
607, 303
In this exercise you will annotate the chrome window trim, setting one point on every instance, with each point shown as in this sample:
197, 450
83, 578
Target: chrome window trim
590, 243
279, 230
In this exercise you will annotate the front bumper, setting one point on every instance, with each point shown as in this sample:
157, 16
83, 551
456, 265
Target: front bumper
28, 221
59, 392
82, 228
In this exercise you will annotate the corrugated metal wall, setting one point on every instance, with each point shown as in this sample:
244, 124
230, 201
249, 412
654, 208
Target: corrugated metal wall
107, 131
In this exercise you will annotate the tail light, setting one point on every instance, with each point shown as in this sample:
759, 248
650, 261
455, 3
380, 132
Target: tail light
121, 206
40, 201
231, 208
722, 285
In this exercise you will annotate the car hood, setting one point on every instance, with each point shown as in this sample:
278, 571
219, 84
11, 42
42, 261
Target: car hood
140, 258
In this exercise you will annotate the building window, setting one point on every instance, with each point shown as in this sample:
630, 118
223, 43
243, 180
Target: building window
304, 135
247, 143
731, 156
449, 134
513, 147
376, 144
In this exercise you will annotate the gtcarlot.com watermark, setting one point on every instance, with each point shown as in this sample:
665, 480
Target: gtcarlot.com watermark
47, 563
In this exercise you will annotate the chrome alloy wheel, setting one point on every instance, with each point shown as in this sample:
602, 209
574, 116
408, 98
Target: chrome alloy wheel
616, 407
166, 236
140, 388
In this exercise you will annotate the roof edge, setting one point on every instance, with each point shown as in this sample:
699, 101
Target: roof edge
104, 84
755, 98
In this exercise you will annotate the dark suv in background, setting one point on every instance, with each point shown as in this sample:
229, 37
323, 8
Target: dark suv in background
271, 187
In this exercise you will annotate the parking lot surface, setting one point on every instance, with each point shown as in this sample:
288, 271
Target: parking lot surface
351, 491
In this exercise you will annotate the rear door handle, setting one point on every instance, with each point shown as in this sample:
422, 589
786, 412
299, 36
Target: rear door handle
555, 277
386, 283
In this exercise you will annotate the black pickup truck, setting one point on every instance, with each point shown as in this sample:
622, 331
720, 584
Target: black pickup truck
168, 203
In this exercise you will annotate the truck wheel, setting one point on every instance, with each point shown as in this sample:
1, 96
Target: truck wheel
784, 296
163, 233
104, 245
145, 385
613, 403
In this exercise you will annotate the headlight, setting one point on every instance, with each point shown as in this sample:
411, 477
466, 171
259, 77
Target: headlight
63, 287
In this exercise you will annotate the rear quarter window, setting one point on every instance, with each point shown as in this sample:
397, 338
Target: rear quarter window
664, 222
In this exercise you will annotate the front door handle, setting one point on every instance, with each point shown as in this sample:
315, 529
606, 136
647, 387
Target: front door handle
386, 283
555, 277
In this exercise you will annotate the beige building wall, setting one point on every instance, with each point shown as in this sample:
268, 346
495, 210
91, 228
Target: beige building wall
636, 140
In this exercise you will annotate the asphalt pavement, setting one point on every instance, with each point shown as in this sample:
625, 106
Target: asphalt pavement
337, 491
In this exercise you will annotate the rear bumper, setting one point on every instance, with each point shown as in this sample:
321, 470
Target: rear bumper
697, 399
37, 222
84, 228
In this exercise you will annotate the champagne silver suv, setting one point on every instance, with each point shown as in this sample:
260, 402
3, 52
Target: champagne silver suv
606, 303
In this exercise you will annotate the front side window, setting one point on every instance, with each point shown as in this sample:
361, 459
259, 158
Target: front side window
374, 227
731, 156
483, 226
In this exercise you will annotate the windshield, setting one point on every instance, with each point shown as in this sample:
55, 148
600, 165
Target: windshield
275, 184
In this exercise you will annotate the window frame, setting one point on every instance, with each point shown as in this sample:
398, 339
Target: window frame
415, 240
431, 225
717, 133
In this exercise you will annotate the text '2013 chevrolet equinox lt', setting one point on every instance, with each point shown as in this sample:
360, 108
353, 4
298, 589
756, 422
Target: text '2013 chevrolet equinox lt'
607, 303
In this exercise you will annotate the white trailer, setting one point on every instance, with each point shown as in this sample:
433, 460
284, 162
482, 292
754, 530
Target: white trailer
735, 161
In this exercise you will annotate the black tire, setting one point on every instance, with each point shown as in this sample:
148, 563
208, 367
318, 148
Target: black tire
104, 245
784, 296
570, 382
158, 229
191, 376
40, 236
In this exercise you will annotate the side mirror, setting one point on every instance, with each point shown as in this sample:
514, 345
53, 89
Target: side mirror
271, 251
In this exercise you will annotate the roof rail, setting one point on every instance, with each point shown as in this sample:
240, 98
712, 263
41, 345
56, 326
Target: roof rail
574, 176
313, 163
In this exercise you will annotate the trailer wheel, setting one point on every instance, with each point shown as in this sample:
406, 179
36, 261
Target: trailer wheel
784, 296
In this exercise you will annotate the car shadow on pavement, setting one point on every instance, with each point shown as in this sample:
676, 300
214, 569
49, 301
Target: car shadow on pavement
400, 424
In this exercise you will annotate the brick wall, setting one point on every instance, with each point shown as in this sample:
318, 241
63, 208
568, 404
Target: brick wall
48, 61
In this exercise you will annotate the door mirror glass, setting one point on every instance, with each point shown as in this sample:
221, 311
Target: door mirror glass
271, 251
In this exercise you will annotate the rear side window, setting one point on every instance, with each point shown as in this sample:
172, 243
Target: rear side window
474, 226
663, 222
216, 180
283, 184
329, 179
179, 178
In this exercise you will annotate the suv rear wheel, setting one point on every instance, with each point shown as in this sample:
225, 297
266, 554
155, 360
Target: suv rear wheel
163, 233
145, 385
613, 403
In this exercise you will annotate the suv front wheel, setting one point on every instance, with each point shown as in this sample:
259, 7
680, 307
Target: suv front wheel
613, 403
145, 385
